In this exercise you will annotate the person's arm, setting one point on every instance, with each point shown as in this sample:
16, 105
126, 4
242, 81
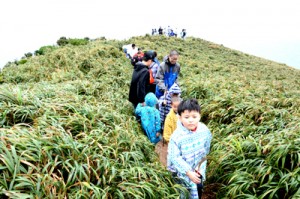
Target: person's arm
167, 129
138, 109
178, 72
160, 77
154, 70
142, 88
179, 163
157, 121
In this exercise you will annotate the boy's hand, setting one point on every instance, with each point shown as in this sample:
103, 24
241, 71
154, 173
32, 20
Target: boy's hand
164, 103
157, 134
194, 177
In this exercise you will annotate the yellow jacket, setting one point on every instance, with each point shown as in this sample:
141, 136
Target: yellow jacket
170, 125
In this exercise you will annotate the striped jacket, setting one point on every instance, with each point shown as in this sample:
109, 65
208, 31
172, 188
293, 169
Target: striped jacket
165, 109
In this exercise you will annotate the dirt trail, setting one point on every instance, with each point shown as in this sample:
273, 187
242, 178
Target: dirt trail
162, 151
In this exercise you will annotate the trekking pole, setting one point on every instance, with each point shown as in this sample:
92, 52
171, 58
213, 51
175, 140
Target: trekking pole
200, 185
165, 104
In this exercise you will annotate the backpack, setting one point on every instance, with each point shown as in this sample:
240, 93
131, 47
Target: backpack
151, 76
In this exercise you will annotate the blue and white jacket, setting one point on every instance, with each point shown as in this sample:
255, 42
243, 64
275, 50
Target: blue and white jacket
185, 150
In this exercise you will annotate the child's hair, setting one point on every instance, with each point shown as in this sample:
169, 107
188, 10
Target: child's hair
189, 105
175, 99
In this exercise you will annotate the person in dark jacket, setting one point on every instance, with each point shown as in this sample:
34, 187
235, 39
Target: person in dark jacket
140, 82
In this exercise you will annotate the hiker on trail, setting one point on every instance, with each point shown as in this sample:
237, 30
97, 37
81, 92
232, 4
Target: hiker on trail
137, 57
171, 34
164, 104
167, 73
188, 147
175, 32
165, 32
160, 31
153, 71
132, 51
169, 31
183, 34
171, 119
169, 127
125, 49
152, 32
150, 118
155, 59
140, 82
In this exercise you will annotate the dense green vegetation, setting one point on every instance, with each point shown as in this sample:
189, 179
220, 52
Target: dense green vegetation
67, 129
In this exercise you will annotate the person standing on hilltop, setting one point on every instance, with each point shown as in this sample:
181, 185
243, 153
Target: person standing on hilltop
167, 73
169, 31
140, 82
183, 34
175, 32
160, 31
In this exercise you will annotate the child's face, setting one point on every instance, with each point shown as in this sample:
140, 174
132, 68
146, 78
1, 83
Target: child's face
174, 106
190, 119
174, 94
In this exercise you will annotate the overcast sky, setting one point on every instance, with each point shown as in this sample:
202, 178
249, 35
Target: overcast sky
266, 28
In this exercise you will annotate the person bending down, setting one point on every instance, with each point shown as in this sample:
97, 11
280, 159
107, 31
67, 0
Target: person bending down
150, 118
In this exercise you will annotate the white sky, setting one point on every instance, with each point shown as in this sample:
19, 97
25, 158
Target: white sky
266, 28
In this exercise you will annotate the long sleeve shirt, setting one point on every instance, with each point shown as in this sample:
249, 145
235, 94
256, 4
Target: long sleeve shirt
185, 150
170, 125
167, 75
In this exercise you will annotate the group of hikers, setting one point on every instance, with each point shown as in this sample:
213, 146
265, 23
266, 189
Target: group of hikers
170, 32
165, 117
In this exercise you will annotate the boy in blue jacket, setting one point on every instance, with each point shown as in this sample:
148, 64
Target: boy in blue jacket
150, 118
188, 147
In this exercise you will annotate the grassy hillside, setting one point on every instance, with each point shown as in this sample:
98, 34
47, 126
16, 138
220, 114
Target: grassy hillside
67, 129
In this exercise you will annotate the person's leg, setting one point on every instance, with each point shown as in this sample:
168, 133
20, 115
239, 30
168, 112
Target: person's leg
200, 188
138, 118
152, 88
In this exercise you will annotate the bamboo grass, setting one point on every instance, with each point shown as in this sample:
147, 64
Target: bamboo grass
67, 129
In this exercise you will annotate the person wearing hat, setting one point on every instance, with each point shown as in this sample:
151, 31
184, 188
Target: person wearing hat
140, 82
